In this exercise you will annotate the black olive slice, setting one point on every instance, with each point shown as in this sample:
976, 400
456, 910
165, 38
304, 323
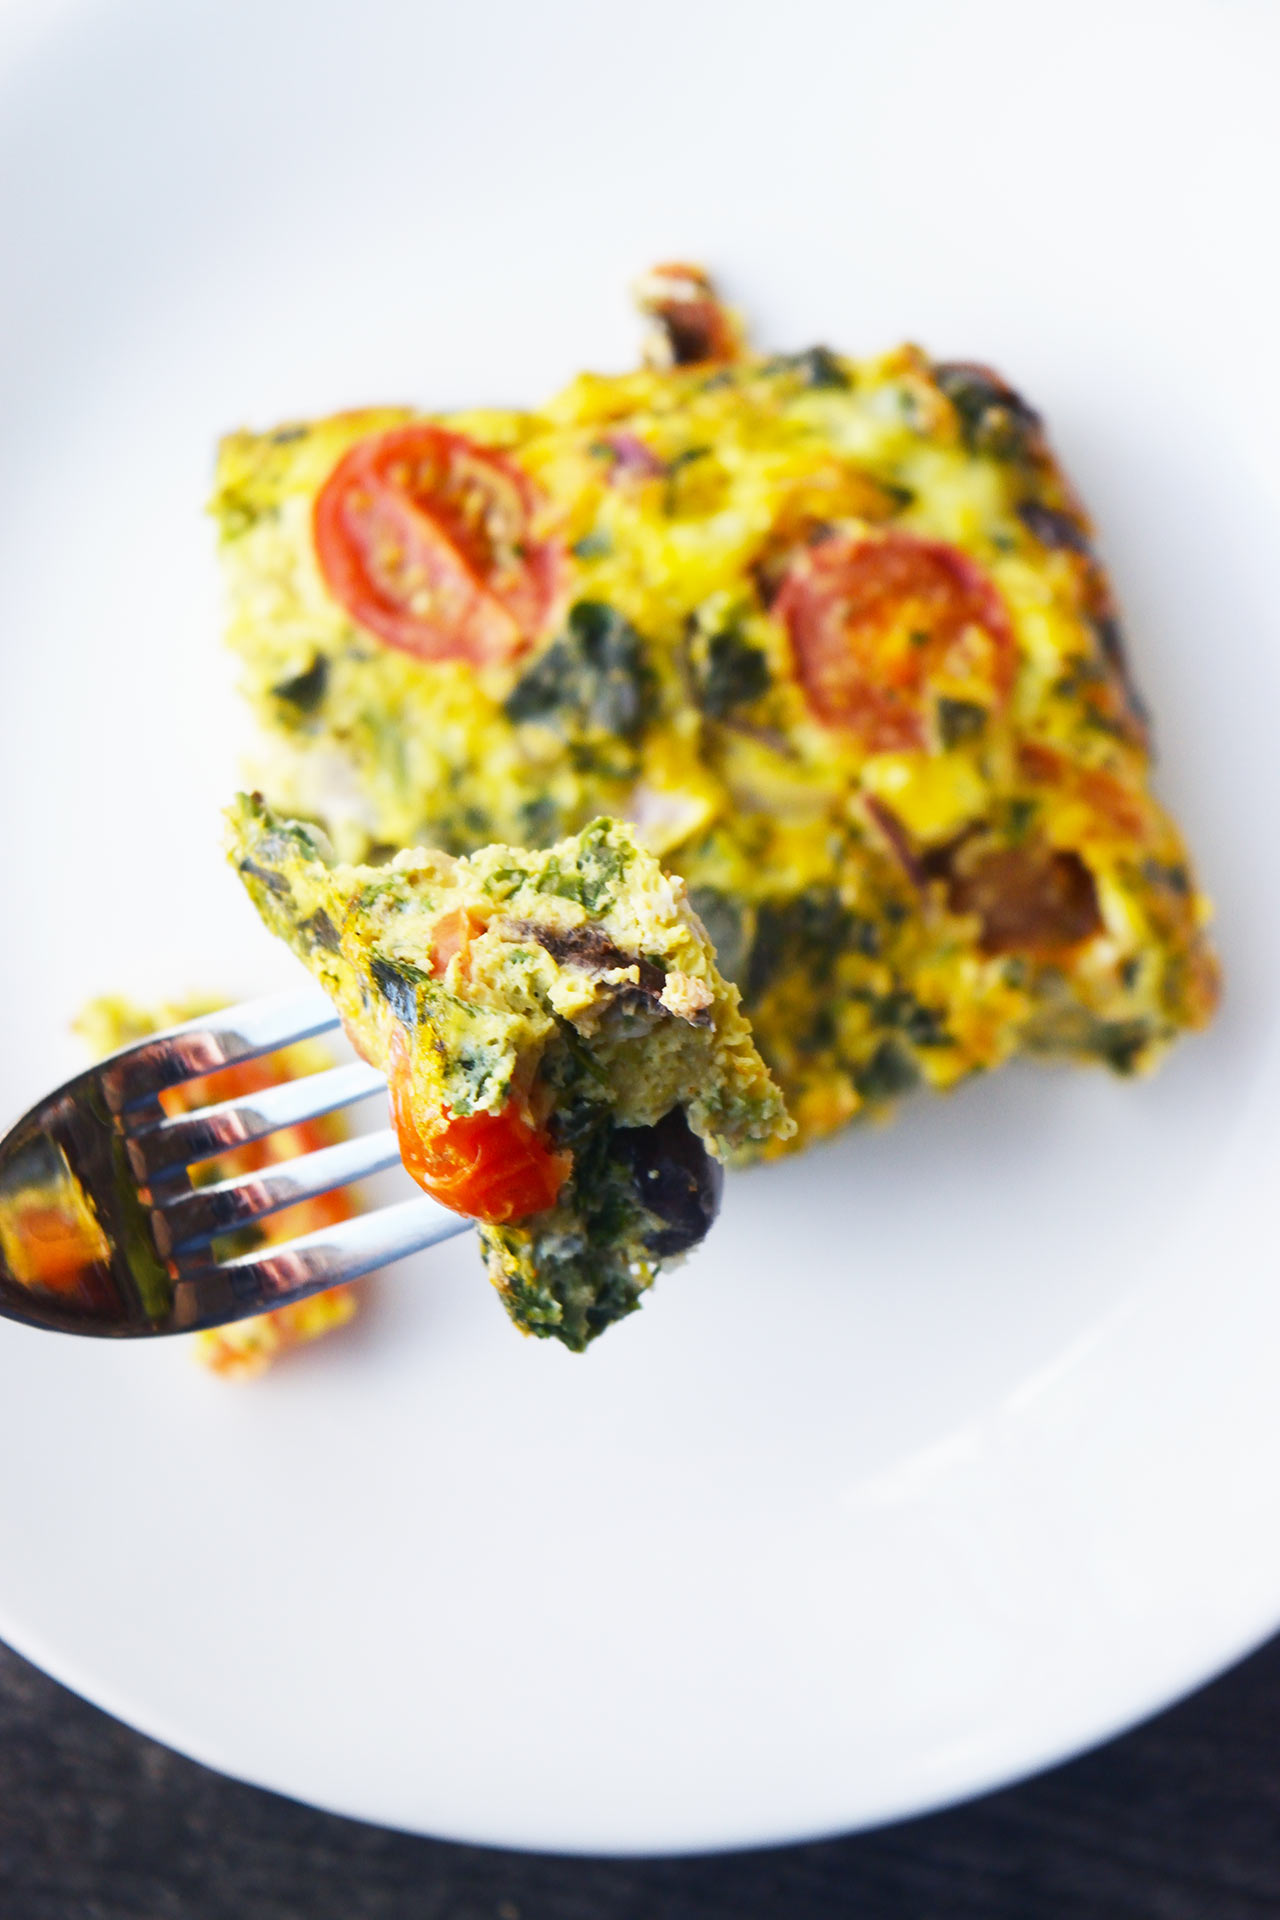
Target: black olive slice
676, 1180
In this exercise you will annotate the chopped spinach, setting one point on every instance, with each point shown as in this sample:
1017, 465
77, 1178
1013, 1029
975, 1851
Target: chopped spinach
319, 929
470, 1072
735, 674
1121, 1043
723, 922
818, 367
593, 679
889, 1072
305, 691
822, 369
1111, 641
398, 981
923, 1026
636, 1195
594, 880
810, 931
993, 418
960, 720
567, 1290
900, 496
504, 881
272, 881
581, 1055
1171, 874
1111, 644
538, 820
821, 1033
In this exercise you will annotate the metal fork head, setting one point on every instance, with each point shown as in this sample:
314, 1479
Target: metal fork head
102, 1230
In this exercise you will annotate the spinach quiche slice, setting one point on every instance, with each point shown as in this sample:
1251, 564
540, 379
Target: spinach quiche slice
566, 1064
834, 634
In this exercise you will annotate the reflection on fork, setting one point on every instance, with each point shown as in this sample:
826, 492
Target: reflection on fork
102, 1229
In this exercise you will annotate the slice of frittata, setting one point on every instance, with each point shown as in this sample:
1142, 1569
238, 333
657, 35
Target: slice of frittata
833, 634
566, 1064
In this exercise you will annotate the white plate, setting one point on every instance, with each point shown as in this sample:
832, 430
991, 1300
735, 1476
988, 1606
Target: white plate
960, 1444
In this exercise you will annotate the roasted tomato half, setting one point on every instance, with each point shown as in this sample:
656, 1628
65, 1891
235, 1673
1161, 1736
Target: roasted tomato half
425, 539
883, 625
494, 1167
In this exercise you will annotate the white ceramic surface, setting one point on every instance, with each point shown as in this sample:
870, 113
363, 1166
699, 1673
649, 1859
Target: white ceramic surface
959, 1446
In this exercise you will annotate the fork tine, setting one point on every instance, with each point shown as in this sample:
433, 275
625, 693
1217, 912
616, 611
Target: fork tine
213, 1040
193, 1218
158, 1146
312, 1263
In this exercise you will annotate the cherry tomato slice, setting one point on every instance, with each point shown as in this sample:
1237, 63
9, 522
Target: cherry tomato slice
879, 624
424, 538
492, 1166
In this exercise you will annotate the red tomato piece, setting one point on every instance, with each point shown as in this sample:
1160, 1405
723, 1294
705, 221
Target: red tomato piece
451, 935
877, 622
425, 539
495, 1167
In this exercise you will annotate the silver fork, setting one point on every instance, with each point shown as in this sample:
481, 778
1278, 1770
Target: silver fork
103, 1231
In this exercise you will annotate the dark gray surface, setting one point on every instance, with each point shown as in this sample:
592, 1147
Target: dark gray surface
1179, 1821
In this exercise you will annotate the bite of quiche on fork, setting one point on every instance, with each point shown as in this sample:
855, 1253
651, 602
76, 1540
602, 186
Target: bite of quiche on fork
566, 1064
